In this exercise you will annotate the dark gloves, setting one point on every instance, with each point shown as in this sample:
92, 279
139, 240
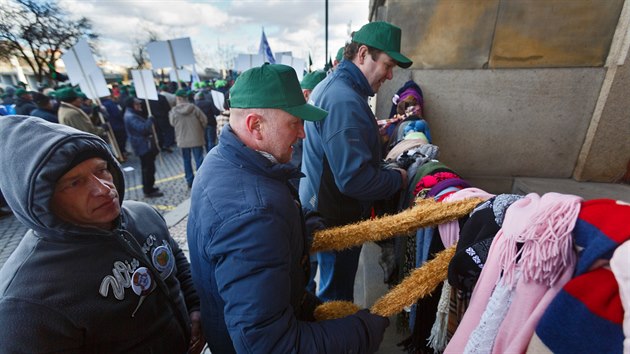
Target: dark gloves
375, 326
314, 222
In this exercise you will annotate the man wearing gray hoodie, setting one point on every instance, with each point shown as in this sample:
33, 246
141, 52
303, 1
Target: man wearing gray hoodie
93, 274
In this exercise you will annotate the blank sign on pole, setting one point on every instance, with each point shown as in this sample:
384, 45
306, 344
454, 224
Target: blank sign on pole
94, 85
79, 61
184, 75
144, 84
160, 54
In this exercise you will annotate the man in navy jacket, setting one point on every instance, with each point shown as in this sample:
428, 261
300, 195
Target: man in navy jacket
341, 155
247, 234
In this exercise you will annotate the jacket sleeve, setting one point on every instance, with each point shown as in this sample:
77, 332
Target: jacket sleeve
82, 122
346, 135
28, 327
253, 279
185, 278
201, 117
139, 126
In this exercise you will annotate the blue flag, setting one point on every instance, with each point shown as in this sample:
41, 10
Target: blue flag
265, 49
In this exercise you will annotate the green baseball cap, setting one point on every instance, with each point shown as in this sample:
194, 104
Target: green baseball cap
20, 92
67, 94
273, 86
311, 79
339, 55
383, 36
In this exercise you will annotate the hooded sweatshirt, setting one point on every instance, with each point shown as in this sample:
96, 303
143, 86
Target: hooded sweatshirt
190, 125
72, 289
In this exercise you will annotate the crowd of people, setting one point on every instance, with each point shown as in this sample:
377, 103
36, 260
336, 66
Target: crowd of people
99, 274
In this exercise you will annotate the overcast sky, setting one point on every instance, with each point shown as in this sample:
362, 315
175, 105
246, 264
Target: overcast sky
235, 26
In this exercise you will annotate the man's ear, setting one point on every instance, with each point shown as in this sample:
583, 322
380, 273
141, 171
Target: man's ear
362, 53
253, 123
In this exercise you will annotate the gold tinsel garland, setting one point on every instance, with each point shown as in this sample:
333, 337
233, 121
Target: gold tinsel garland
418, 284
335, 309
425, 213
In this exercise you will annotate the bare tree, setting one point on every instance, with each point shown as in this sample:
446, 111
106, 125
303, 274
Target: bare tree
225, 56
37, 31
139, 49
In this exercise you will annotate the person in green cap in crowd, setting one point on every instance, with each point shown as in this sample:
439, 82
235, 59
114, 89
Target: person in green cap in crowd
308, 83
338, 57
44, 108
342, 154
190, 132
248, 236
24, 104
71, 114
160, 109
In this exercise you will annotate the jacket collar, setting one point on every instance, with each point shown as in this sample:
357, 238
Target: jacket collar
236, 152
348, 70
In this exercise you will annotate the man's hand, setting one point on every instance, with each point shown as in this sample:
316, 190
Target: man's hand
197, 340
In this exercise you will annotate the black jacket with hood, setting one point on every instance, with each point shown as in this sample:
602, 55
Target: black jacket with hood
68, 288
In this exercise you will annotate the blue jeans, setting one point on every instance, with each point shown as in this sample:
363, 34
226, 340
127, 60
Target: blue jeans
337, 271
197, 152
211, 137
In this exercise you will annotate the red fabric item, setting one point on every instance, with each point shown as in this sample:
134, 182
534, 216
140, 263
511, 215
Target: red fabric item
598, 290
609, 210
429, 181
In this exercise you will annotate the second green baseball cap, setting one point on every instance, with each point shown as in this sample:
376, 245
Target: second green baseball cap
313, 78
383, 36
273, 86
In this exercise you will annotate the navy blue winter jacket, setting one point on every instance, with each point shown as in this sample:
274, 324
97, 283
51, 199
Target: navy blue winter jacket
247, 243
140, 132
341, 155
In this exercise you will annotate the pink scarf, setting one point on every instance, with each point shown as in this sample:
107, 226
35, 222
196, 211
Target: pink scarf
449, 232
546, 263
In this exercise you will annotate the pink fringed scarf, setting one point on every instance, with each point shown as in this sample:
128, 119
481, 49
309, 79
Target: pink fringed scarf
546, 263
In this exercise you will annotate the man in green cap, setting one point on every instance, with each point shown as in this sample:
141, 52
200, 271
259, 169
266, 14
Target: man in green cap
71, 114
338, 57
247, 234
24, 104
342, 154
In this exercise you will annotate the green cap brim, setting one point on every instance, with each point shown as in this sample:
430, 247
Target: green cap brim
306, 112
402, 60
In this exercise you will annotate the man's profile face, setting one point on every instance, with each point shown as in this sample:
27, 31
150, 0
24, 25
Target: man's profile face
307, 94
86, 195
280, 133
379, 70
76, 102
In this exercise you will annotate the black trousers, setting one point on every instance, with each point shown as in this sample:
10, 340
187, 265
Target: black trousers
147, 163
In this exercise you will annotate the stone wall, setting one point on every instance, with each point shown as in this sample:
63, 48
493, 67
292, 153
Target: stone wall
518, 88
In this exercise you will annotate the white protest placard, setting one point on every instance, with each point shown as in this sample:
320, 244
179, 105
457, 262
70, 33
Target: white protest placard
182, 49
248, 61
296, 63
144, 84
171, 53
159, 55
183, 74
79, 61
94, 85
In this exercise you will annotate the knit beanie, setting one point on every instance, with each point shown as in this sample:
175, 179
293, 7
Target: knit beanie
472, 250
587, 315
397, 97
